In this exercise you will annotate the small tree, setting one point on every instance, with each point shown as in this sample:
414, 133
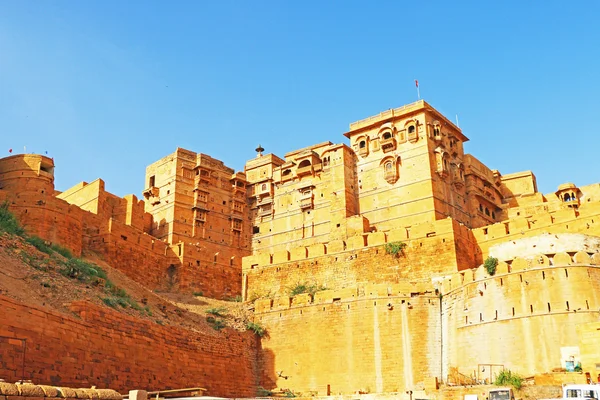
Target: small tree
490, 265
395, 248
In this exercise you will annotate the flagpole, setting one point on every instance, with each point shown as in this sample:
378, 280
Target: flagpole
418, 90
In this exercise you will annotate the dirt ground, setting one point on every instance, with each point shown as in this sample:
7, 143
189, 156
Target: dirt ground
33, 277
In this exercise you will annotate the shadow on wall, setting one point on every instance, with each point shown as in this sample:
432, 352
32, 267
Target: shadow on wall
266, 374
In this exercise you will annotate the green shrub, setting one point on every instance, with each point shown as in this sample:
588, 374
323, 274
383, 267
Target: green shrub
217, 324
39, 244
83, 271
506, 377
66, 253
300, 288
8, 222
256, 328
217, 311
395, 248
255, 295
490, 265
237, 299
198, 294
110, 301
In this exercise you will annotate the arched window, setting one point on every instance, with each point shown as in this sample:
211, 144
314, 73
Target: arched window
487, 212
362, 144
480, 208
263, 186
305, 163
567, 197
287, 172
388, 166
411, 129
387, 135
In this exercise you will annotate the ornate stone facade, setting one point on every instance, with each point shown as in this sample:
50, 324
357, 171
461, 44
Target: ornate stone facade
326, 216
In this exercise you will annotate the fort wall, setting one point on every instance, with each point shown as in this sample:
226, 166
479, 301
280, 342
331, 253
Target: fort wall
433, 249
525, 317
585, 220
373, 339
104, 348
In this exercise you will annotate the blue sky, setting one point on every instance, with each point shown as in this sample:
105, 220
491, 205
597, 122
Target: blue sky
108, 87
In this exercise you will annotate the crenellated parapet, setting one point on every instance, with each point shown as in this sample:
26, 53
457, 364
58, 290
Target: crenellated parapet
444, 229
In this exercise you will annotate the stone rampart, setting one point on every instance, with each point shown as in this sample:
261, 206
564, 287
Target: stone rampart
104, 348
372, 339
585, 220
433, 249
525, 316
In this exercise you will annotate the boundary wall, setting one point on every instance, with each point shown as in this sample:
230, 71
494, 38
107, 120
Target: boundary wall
525, 317
371, 339
104, 348
437, 249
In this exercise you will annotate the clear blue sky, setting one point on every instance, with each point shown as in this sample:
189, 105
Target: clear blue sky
108, 87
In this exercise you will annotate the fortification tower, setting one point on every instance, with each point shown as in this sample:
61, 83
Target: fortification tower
199, 205
28, 173
27, 181
304, 199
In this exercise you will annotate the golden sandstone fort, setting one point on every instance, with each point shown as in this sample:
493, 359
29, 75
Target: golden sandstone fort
391, 229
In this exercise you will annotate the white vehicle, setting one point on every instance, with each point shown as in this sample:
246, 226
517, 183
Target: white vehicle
581, 392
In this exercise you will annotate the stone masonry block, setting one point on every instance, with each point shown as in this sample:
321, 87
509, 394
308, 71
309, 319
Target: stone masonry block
519, 264
581, 257
281, 256
336, 246
67, 392
302, 299
91, 393
138, 395
356, 242
324, 296
108, 394
376, 290
8, 389
263, 305
502, 268
298, 253
376, 239
282, 302
316, 250
396, 235
81, 394
562, 259
30, 390
49, 391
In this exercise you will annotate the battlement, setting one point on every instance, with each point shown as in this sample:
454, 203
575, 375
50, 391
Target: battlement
423, 231
585, 220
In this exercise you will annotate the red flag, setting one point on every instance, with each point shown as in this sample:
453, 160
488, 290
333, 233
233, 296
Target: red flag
10, 150
416, 83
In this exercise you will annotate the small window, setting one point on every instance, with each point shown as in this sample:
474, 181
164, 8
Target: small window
263, 187
388, 166
255, 229
411, 129
152, 181
287, 172
362, 144
387, 136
